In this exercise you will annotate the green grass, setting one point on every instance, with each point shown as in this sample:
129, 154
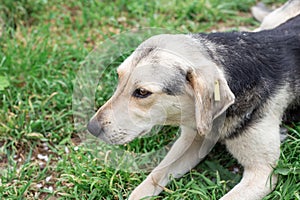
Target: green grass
42, 46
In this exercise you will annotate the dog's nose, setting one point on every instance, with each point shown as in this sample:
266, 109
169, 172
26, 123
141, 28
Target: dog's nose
94, 128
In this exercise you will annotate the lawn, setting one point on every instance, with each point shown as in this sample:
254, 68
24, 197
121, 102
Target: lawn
47, 93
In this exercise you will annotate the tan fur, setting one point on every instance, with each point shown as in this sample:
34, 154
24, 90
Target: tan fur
206, 108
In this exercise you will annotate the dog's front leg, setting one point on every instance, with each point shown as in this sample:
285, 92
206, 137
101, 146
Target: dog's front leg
182, 157
257, 149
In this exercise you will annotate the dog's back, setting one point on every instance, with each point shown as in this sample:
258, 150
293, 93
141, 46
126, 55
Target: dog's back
258, 65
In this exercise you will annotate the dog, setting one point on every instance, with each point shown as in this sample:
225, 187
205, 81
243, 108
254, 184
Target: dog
234, 87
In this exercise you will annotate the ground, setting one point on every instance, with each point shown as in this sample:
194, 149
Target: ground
42, 46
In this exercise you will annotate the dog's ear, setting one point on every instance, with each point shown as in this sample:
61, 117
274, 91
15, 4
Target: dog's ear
212, 97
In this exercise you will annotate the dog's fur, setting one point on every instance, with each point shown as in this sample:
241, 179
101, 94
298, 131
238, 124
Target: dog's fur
173, 79
289, 10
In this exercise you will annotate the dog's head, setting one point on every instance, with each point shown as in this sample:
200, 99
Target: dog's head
168, 79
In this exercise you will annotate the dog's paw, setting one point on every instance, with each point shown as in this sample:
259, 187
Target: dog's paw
145, 190
144, 194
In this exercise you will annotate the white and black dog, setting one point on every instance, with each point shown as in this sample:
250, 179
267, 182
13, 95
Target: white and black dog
251, 79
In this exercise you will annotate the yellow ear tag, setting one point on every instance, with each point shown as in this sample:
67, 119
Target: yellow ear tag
217, 91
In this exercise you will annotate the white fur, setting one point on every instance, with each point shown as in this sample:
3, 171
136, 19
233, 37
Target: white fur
289, 10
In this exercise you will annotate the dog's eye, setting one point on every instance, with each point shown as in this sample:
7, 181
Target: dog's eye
141, 93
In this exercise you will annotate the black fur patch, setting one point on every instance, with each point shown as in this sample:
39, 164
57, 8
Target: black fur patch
256, 65
175, 85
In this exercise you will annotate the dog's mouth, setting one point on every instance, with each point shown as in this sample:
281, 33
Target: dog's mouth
129, 139
121, 138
